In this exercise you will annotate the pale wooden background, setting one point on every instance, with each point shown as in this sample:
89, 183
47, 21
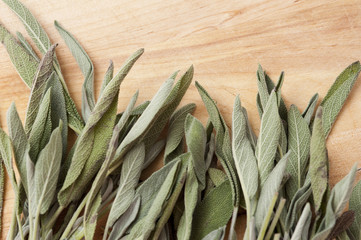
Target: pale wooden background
312, 41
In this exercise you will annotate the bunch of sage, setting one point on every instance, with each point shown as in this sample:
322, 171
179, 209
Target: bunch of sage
280, 177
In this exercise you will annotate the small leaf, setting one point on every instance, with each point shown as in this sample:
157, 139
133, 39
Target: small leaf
27, 46
355, 205
270, 188
107, 77
213, 212
91, 223
310, 109
302, 227
268, 138
6, 156
318, 161
299, 137
337, 95
86, 67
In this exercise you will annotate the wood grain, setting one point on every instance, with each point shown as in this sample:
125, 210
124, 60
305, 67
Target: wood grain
312, 41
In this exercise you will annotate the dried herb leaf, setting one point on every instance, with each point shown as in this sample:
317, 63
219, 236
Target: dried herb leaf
355, 205
310, 109
301, 230
91, 222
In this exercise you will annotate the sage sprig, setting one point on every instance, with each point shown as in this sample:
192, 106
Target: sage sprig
279, 178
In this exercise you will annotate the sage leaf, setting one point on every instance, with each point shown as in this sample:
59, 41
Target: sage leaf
217, 234
129, 178
38, 88
355, 205
58, 108
310, 109
213, 212
263, 93
42, 127
153, 153
196, 143
27, 46
318, 161
268, 138
107, 77
337, 95
6, 156
223, 142
270, 188
122, 224
342, 224
91, 222
190, 202
144, 227
176, 132
47, 170
86, 67
301, 230
243, 154
87, 159
217, 176
299, 138
24, 63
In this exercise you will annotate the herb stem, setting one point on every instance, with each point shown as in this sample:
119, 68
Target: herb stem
233, 224
275, 219
11, 233
19, 226
266, 220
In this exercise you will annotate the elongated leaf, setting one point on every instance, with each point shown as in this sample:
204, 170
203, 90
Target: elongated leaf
153, 153
318, 161
263, 93
269, 189
42, 127
6, 156
144, 227
91, 223
58, 108
217, 234
299, 138
355, 205
18, 139
176, 132
38, 88
190, 202
310, 109
223, 142
213, 212
107, 77
336, 204
27, 46
217, 176
144, 122
88, 155
129, 178
196, 143
86, 67
268, 138
342, 224
47, 170
243, 154
301, 231
337, 95
24, 63
122, 224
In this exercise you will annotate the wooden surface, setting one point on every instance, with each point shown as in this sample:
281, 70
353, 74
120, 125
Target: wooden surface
312, 41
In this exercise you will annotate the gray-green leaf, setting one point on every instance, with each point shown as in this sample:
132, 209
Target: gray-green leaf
310, 109
354, 231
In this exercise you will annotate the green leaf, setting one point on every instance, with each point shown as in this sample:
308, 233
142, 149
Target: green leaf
24, 63
27, 46
144, 227
91, 222
129, 178
153, 153
196, 143
176, 132
190, 202
299, 138
270, 188
6, 156
47, 170
310, 109
88, 156
318, 161
42, 127
217, 176
58, 108
355, 205
86, 67
18, 139
337, 95
43, 73
268, 138
213, 212
263, 93
223, 143
243, 154
303, 224
107, 77
122, 224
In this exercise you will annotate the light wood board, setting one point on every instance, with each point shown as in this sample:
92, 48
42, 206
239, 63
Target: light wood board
312, 41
